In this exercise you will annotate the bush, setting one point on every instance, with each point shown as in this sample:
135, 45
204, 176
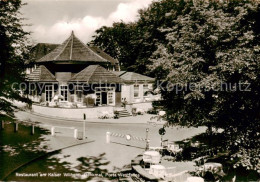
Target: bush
89, 101
152, 111
116, 115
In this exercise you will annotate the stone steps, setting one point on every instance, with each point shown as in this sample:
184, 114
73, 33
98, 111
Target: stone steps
123, 113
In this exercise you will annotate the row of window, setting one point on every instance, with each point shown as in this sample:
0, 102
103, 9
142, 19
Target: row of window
107, 92
79, 92
136, 90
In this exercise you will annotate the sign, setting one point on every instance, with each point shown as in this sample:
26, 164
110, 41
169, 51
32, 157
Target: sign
162, 131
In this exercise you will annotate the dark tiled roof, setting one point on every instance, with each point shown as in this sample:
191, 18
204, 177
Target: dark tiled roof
72, 49
132, 77
41, 49
103, 54
96, 74
41, 74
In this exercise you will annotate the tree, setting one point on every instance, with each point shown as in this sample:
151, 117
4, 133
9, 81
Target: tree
159, 14
118, 42
134, 43
13, 54
206, 55
212, 65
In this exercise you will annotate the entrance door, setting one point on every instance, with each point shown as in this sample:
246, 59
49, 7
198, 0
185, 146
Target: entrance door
64, 92
104, 97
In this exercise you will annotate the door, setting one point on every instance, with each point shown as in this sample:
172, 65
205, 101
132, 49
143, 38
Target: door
110, 98
64, 92
104, 98
79, 93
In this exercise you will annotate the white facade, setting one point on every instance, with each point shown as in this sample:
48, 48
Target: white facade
135, 93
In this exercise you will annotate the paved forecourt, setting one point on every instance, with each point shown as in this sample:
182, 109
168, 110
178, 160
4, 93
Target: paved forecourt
118, 153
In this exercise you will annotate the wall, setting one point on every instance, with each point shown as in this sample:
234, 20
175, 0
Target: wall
145, 106
128, 93
43, 98
118, 99
72, 113
63, 76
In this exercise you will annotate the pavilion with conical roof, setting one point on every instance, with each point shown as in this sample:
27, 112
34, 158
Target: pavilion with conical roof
75, 72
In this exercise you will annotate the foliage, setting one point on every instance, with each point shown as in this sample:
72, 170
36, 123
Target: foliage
117, 41
93, 164
17, 148
133, 43
212, 63
13, 53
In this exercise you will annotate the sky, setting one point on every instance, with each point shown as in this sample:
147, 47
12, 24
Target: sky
51, 21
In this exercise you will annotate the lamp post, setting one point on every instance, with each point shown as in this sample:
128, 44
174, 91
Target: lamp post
84, 125
162, 132
147, 141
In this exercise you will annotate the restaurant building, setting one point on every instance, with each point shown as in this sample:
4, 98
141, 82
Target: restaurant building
73, 74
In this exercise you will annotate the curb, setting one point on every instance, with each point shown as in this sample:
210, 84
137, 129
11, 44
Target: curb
81, 120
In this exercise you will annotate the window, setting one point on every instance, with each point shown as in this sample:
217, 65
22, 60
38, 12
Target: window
79, 93
48, 92
64, 92
136, 90
145, 89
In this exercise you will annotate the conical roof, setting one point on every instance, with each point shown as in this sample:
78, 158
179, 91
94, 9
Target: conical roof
104, 55
72, 49
41, 74
96, 74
